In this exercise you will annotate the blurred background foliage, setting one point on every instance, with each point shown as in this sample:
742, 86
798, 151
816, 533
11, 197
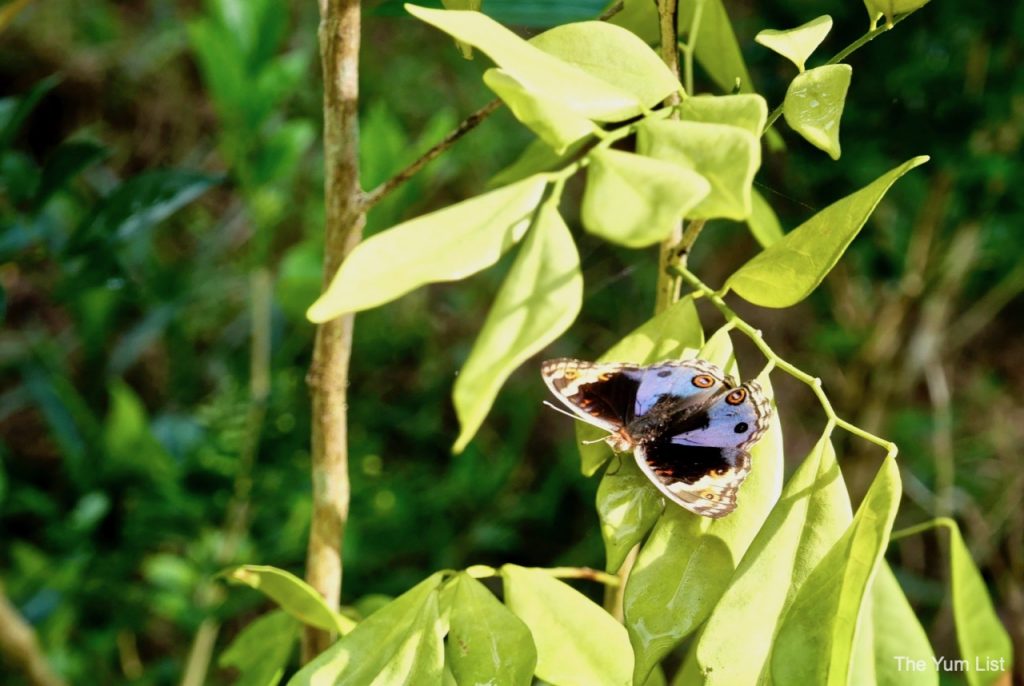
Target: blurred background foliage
155, 156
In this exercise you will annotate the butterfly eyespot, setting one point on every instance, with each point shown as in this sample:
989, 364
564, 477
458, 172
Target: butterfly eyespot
570, 374
604, 377
741, 427
703, 381
737, 396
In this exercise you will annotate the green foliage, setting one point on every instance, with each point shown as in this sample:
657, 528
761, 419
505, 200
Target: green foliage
787, 271
796, 45
538, 301
127, 358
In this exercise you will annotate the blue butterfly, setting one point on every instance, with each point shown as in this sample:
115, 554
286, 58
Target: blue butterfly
687, 422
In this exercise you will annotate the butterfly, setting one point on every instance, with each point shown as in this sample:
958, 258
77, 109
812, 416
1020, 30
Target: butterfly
688, 424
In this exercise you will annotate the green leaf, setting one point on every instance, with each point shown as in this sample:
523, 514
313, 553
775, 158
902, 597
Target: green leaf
764, 225
665, 336
536, 157
816, 638
558, 127
399, 644
128, 443
727, 156
981, 637
13, 117
144, 201
577, 641
786, 272
636, 201
898, 635
554, 79
628, 508
70, 158
292, 594
261, 650
540, 298
718, 51
487, 644
685, 564
748, 112
814, 105
891, 8
472, 5
614, 55
446, 245
812, 514
797, 44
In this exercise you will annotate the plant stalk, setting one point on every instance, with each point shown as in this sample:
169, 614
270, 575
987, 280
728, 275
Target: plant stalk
328, 374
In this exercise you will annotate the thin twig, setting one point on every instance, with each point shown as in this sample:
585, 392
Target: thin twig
614, 9
468, 124
774, 361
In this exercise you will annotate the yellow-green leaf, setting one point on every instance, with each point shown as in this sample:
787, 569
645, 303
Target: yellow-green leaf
446, 245
814, 105
718, 51
555, 79
797, 44
473, 5
980, 635
891, 8
538, 301
260, 652
898, 637
763, 223
727, 156
746, 111
787, 271
536, 157
816, 638
486, 643
635, 200
808, 519
292, 594
400, 644
577, 641
628, 508
614, 55
553, 124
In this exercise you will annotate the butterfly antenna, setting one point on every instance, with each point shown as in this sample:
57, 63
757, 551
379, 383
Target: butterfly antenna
556, 408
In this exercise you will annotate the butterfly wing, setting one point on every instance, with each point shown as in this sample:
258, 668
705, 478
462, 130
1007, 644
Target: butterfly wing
602, 394
700, 460
611, 395
701, 479
687, 381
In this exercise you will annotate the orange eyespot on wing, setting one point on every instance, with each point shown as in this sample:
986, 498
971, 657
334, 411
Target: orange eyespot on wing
704, 381
737, 396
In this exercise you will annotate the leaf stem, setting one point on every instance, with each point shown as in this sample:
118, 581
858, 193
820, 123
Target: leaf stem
843, 54
774, 361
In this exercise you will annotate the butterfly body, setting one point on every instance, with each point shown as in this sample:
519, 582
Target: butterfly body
688, 424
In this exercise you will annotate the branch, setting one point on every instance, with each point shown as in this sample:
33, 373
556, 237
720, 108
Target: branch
614, 9
20, 647
328, 373
668, 285
467, 125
